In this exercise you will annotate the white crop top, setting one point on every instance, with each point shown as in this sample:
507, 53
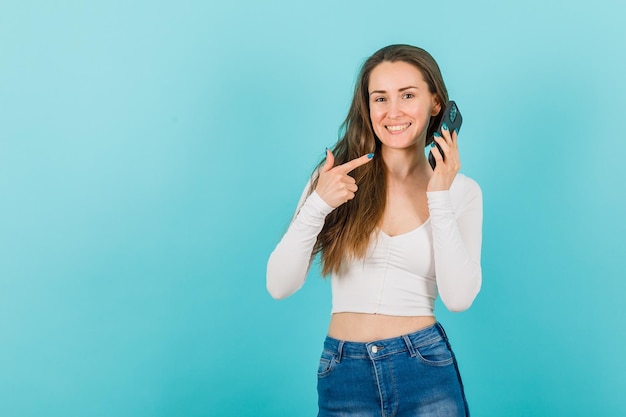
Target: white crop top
399, 275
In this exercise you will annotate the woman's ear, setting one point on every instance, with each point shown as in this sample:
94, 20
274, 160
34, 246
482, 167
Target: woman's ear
436, 107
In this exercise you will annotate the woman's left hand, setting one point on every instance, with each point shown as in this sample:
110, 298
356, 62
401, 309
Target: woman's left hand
445, 171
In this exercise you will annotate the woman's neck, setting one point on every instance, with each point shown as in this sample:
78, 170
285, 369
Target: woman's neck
405, 163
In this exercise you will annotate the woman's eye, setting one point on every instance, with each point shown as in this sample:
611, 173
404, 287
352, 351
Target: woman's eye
379, 99
408, 95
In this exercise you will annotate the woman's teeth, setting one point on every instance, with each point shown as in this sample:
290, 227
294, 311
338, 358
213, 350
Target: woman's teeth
398, 128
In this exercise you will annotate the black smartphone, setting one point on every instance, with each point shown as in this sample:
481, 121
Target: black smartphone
452, 118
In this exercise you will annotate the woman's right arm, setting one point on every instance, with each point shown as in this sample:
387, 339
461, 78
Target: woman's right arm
290, 261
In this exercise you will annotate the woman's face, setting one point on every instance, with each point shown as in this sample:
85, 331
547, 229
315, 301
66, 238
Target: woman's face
401, 104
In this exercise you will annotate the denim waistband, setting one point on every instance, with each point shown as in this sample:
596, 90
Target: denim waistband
385, 347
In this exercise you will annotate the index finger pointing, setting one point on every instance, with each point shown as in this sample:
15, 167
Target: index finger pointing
355, 163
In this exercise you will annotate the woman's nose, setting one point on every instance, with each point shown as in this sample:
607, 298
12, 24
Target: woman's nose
395, 109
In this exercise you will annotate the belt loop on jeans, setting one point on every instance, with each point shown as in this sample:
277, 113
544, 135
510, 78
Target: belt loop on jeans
443, 332
339, 351
409, 345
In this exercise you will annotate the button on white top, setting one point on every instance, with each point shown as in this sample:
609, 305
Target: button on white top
374, 349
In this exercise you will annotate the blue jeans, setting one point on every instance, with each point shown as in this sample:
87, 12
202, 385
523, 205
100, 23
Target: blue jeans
411, 375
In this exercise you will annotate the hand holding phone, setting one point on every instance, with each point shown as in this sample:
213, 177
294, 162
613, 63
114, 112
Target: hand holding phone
452, 118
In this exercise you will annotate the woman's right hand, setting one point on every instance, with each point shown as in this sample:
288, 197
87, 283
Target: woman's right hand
334, 185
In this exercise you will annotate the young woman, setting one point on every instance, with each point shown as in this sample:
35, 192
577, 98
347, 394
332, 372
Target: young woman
393, 233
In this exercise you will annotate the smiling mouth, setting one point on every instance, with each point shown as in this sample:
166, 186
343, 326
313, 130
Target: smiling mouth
398, 128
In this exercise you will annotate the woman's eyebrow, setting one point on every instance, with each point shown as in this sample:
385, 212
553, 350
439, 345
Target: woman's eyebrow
400, 90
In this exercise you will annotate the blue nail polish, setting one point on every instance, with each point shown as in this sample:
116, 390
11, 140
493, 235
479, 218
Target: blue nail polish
432, 145
456, 131
444, 126
370, 155
436, 134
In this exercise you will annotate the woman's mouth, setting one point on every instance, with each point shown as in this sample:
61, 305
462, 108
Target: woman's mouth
397, 128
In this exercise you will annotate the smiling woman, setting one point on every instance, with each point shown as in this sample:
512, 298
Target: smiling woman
393, 233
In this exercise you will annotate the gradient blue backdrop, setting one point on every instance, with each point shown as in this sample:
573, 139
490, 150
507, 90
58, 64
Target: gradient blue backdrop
152, 153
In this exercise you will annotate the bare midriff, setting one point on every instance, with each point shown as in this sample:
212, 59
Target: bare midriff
360, 327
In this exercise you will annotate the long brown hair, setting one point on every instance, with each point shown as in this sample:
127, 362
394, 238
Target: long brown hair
348, 228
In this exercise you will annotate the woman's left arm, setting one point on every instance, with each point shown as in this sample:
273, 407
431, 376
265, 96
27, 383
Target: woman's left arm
457, 241
456, 213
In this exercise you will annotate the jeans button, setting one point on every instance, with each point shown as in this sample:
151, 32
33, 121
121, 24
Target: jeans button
374, 349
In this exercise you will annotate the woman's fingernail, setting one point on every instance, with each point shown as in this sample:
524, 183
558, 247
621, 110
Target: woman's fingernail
436, 134
370, 155
444, 126
432, 145
456, 131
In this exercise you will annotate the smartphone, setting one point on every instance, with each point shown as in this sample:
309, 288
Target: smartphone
452, 118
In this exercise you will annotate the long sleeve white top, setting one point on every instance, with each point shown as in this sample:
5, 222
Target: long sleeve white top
399, 275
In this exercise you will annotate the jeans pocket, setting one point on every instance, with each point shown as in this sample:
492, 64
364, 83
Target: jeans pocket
326, 364
435, 353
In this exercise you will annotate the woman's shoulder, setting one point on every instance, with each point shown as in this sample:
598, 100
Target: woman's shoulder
463, 182
464, 189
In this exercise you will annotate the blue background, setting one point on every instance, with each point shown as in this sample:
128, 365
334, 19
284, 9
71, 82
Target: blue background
152, 153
